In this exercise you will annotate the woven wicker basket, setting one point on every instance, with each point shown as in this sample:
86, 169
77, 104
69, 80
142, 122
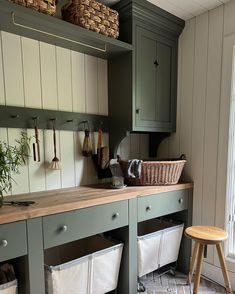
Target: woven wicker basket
45, 6
155, 172
92, 15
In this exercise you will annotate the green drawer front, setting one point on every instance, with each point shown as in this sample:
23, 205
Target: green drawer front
162, 204
70, 226
13, 240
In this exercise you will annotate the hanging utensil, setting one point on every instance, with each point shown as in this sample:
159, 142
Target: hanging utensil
99, 144
55, 164
36, 145
87, 147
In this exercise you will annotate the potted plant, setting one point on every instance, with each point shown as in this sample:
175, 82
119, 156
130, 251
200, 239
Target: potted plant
11, 158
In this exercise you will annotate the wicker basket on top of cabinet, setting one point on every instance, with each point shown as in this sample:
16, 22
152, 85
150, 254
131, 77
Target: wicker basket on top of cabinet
92, 15
44, 6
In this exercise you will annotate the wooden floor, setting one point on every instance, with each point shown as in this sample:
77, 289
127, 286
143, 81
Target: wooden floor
176, 285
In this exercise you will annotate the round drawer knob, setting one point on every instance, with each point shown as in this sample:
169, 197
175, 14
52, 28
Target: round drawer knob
64, 228
148, 208
4, 243
181, 200
116, 215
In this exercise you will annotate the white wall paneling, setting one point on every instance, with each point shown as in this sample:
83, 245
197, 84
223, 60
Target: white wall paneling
63, 61
203, 113
67, 159
78, 81
91, 76
31, 73
198, 103
103, 86
2, 87
13, 74
48, 76
211, 128
36, 74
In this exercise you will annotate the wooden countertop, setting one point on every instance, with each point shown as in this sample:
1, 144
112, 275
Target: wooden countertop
62, 200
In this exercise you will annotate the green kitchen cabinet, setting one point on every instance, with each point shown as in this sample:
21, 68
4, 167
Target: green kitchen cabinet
155, 82
143, 83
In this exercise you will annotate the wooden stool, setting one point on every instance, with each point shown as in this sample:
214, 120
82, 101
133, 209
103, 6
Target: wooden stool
205, 235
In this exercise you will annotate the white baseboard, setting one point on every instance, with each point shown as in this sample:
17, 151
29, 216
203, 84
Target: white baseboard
214, 273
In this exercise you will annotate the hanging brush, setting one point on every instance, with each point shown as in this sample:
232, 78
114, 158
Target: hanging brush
55, 163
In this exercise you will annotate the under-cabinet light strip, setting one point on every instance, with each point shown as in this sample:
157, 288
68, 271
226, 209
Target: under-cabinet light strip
56, 36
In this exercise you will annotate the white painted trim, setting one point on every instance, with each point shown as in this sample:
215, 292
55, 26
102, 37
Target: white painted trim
214, 273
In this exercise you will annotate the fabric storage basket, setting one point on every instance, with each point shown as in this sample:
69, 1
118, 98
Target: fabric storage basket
9, 288
88, 266
92, 15
158, 244
161, 172
45, 6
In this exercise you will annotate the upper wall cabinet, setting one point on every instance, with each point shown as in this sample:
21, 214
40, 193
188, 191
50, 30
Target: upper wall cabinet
32, 24
143, 84
155, 82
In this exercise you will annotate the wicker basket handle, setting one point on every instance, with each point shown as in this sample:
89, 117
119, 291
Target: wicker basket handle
182, 157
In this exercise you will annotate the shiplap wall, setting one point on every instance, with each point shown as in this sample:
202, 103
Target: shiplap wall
39, 75
201, 131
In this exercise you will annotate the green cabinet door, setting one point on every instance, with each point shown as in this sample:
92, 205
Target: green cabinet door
155, 82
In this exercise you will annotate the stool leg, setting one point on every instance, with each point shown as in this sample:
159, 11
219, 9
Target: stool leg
224, 269
192, 263
198, 269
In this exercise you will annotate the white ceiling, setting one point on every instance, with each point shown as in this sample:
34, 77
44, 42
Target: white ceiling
184, 9
187, 9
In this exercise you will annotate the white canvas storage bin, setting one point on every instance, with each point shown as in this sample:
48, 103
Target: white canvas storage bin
9, 288
88, 266
158, 244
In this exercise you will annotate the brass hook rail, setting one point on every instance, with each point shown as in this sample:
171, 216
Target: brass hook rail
56, 36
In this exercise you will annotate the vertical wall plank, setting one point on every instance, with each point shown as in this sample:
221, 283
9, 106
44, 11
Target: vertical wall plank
212, 115
2, 86
31, 71
37, 176
78, 81
174, 141
21, 181
67, 159
103, 86
53, 177
229, 20
12, 62
48, 75
199, 97
80, 162
91, 74
63, 59
187, 93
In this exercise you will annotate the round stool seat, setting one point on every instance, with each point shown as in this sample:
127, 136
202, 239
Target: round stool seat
206, 234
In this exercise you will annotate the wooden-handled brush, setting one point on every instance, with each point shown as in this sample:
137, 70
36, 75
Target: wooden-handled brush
55, 164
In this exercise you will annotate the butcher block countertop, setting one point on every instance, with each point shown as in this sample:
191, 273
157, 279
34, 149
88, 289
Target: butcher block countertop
62, 200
